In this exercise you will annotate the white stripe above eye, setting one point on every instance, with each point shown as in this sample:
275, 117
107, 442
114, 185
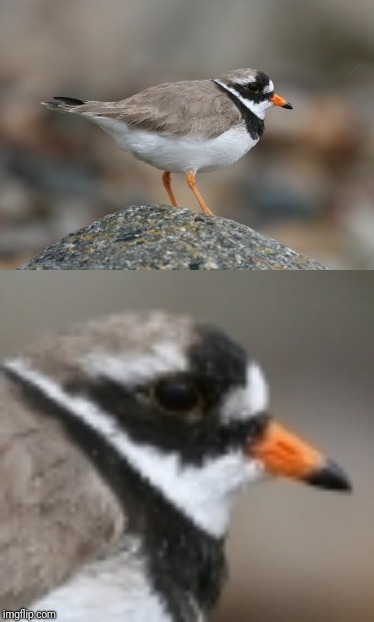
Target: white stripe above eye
130, 370
204, 493
245, 80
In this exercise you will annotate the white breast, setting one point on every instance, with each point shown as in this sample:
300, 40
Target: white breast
179, 154
114, 589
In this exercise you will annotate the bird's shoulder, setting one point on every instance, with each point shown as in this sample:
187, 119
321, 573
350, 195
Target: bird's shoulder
54, 512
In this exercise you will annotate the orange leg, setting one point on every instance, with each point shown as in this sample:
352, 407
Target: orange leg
166, 180
190, 176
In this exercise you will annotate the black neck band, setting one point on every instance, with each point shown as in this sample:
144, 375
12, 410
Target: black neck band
255, 126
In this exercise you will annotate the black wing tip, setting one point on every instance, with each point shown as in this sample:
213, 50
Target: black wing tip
70, 100
64, 104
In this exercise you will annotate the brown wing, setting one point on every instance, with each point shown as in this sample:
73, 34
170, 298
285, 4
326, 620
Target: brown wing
55, 513
196, 107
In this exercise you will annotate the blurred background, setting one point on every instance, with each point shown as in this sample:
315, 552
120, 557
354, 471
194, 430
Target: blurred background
296, 553
309, 182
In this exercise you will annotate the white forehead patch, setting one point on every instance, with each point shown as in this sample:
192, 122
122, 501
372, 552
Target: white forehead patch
244, 402
270, 88
128, 370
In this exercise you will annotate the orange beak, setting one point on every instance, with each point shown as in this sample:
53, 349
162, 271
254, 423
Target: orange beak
283, 453
277, 100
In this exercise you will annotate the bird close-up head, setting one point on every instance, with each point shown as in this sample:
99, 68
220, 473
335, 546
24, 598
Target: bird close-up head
174, 417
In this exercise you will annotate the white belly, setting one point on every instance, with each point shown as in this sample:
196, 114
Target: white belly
113, 589
179, 154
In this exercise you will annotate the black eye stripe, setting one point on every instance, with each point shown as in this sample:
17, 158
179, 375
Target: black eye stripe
256, 89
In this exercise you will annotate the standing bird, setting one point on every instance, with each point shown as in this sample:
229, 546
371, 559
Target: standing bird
123, 446
186, 127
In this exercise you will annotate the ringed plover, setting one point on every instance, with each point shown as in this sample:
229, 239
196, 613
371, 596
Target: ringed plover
186, 127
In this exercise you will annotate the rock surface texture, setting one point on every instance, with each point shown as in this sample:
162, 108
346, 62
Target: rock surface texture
159, 237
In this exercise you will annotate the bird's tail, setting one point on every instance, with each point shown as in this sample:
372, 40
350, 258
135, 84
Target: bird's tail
64, 104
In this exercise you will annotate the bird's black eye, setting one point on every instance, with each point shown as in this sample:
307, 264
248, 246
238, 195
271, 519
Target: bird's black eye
177, 396
252, 87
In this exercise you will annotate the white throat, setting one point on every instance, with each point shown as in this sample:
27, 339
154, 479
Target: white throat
205, 494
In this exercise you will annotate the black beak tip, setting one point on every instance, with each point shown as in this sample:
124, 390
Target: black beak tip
331, 477
288, 106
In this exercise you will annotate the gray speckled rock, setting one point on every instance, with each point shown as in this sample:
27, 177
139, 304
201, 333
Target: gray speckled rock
159, 237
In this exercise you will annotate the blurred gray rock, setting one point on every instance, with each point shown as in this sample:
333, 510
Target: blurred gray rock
160, 237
